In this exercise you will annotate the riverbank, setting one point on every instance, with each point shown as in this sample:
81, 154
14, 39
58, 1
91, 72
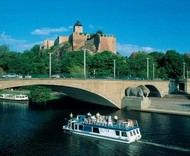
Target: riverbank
172, 104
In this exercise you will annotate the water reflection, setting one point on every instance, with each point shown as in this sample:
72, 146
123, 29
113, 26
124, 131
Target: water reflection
13, 104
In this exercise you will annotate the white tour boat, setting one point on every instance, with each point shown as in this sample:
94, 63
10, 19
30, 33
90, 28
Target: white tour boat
104, 127
18, 97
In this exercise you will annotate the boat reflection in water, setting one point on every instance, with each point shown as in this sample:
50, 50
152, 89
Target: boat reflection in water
16, 104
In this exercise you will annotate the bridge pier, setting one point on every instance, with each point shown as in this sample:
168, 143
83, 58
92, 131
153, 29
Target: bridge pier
135, 103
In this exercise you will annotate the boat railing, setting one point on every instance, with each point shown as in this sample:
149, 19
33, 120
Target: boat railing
117, 124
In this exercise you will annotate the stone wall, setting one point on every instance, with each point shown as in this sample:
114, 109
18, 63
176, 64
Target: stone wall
61, 39
78, 40
135, 103
47, 44
107, 43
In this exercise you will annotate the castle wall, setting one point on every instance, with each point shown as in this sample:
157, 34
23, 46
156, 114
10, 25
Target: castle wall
61, 39
107, 43
78, 40
47, 44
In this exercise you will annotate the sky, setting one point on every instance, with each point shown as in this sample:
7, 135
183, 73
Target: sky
138, 25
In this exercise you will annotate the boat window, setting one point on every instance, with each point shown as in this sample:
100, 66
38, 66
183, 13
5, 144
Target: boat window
134, 133
137, 131
124, 134
117, 133
80, 127
96, 130
75, 126
131, 133
88, 128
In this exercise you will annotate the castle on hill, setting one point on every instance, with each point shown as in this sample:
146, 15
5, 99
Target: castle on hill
95, 43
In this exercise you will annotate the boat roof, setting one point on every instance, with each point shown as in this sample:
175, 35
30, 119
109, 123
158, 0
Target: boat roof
122, 125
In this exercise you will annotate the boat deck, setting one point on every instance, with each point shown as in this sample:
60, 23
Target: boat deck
110, 124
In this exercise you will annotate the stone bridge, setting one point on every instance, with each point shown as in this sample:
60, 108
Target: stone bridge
107, 92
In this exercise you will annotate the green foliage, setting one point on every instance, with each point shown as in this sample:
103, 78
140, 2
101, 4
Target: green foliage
35, 48
1, 71
187, 61
173, 63
3, 49
74, 59
76, 71
138, 65
63, 60
39, 94
103, 64
100, 32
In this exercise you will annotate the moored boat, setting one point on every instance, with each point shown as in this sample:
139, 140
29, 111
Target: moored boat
16, 97
104, 127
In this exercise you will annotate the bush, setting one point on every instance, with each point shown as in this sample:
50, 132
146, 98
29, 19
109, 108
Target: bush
39, 94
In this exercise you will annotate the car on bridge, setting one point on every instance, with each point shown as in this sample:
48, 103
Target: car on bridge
10, 75
55, 76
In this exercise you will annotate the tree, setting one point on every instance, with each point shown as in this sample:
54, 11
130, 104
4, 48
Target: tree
1, 71
173, 64
103, 64
3, 49
75, 58
7, 61
39, 94
36, 49
157, 57
187, 63
99, 32
138, 65
76, 71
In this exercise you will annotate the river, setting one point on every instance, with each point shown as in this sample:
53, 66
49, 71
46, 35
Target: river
37, 131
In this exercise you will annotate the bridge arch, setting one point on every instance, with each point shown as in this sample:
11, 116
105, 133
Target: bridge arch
112, 91
82, 94
154, 92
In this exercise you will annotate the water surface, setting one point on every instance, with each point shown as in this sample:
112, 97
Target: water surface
30, 130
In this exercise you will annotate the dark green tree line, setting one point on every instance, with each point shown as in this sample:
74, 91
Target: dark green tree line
36, 61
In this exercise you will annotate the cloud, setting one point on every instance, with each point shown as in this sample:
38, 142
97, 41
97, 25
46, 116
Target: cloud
70, 27
48, 31
128, 49
14, 44
4, 38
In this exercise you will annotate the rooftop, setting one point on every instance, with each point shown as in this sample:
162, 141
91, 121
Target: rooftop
78, 23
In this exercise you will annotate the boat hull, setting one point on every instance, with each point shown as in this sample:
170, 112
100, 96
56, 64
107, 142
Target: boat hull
99, 136
12, 97
7, 99
104, 127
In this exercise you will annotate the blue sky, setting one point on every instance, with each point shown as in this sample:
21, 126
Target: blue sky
146, 25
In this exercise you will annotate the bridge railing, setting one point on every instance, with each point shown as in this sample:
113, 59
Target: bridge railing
66, 75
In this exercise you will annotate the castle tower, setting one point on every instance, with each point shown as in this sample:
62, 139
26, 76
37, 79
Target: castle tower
77, 38
78, 27
105, 43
